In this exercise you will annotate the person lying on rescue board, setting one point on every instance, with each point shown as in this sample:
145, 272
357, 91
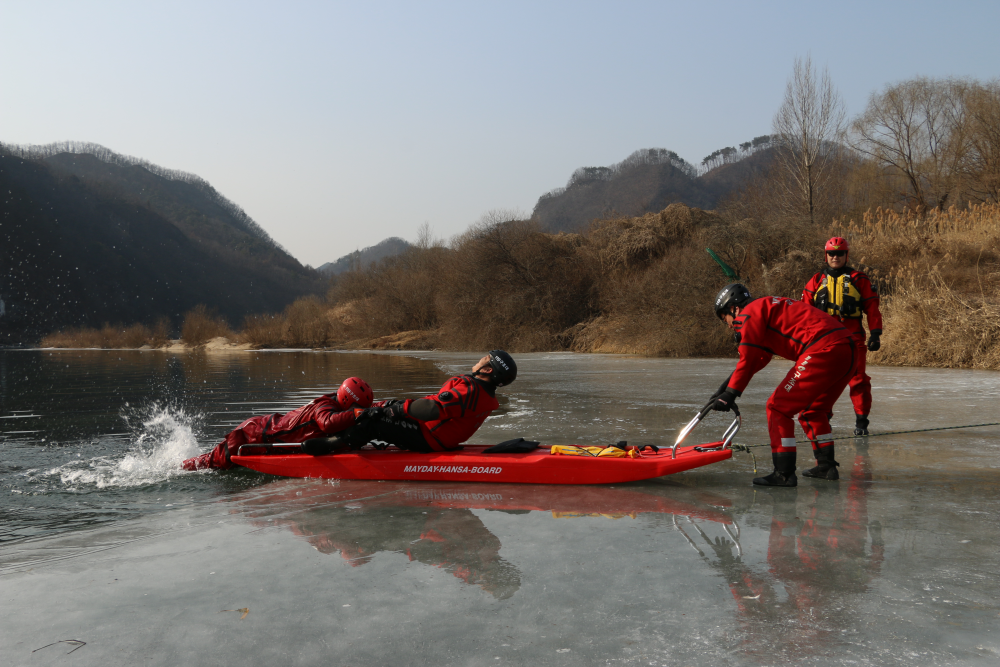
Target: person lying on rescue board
326, 415
436, 423
825, 359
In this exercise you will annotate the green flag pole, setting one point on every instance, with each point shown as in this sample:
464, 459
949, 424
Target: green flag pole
732, 275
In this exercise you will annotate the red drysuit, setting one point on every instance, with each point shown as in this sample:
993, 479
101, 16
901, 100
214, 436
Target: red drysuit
464, 403
847, 295
824, 357
322, 417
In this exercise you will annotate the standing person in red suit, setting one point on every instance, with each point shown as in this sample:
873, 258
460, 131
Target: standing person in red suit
847, 294
325, 416
436, 423
824, 359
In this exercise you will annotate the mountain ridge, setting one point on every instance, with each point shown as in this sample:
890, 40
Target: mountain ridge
84, 241
648, 181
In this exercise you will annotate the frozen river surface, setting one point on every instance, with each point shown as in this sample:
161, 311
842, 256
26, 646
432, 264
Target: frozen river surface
110, 555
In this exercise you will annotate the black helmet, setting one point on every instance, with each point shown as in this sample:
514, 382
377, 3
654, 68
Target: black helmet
504, 368
731, 295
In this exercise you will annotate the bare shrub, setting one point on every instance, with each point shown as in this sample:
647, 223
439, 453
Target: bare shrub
202, 325
135, 336
263, 330
70, 338
110, 336
632, 243
789, 276
665, 310
396, 294
306, 322
509, 285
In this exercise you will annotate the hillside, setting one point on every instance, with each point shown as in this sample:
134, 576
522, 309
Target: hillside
87, 239
358, 259
648, 181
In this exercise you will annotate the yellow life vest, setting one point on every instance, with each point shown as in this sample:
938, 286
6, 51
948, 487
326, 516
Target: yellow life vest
839, 297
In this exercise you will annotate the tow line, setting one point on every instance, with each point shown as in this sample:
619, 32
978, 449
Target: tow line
746, 448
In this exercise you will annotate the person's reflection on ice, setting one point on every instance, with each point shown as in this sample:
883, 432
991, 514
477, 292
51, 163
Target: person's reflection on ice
454, 540
822, 550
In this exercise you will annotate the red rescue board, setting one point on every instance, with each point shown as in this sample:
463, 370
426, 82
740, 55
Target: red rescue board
472, 465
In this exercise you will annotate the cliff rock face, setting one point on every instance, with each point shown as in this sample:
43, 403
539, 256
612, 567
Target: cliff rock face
88, 239
646, 182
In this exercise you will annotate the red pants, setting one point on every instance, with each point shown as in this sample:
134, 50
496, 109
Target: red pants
809, 390
861, 384
249, 432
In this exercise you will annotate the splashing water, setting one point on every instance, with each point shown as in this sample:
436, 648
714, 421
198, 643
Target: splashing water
163, 437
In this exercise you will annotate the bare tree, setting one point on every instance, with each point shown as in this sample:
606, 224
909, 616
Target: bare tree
426, 238
918, 129
983, 117
806, 128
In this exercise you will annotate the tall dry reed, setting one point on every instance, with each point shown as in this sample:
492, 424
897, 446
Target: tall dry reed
939, 275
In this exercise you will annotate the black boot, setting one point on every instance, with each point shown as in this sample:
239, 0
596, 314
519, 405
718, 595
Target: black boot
826, 467
784, 471
861, 425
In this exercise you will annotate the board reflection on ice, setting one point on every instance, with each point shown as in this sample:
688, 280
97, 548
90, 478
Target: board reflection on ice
798, 551
434, 523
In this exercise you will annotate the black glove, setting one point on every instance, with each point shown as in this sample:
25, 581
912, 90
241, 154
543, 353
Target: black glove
722, 388
738, 337
874, 342
725, 401
395, 409
368, 414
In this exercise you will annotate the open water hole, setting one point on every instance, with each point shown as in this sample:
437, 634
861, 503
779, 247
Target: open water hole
104, 540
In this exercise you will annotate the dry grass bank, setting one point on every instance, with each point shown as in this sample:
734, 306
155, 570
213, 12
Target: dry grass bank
637, 285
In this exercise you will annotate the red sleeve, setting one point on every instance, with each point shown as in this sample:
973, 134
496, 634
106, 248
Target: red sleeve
809, 293
330, 421
869, 301
752, 359
754, 353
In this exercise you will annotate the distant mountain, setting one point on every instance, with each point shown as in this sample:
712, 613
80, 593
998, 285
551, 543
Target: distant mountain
647, 181
88, 236
361, 258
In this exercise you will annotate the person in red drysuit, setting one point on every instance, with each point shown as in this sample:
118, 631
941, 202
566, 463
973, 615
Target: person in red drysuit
436, 423
324, 416
824, 361
847, 294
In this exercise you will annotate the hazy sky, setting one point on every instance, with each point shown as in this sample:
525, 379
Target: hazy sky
336, 125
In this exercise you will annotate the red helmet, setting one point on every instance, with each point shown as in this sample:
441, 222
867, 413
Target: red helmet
837, 243
355, 391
